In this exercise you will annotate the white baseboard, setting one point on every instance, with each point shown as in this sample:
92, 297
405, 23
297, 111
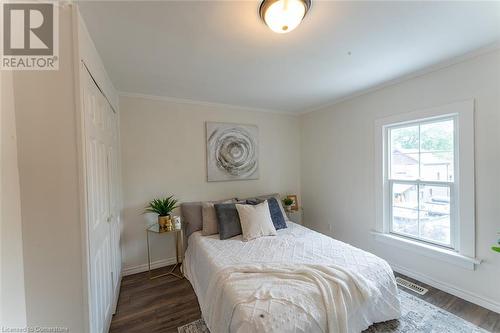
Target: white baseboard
144, 267
446, 287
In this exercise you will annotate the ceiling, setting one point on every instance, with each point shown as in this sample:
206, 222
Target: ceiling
221, 52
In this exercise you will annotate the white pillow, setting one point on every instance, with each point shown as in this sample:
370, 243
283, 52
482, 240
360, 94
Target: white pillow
255, 221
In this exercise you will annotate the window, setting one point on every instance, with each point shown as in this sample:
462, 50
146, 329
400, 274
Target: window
424, 179
421, 172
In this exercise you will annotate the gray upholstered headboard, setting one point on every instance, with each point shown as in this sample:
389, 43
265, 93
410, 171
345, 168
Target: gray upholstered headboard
192, 218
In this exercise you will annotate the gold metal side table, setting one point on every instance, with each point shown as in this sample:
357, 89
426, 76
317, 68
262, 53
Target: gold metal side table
155, 228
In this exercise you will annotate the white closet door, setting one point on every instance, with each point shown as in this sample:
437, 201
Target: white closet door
98, 145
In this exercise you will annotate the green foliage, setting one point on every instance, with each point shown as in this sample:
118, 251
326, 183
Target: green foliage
287, 201
406, 138
162, 207
433, 137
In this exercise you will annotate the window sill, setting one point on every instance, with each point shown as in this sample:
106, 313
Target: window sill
428, 250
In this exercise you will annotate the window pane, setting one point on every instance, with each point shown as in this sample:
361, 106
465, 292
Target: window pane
404, 196
436, 137
404, 166
435, 213
404, 152
405, 209
405, 221
437, 166
405, 138
436, 151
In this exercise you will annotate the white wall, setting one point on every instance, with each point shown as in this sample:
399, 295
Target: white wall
50, 203
164, 152
338, 170
12, 295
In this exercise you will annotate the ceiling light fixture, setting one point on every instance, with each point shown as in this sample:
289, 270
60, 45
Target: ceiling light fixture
283, 16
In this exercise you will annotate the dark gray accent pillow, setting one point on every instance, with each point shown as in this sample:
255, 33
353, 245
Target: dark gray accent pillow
228, 220
274, 209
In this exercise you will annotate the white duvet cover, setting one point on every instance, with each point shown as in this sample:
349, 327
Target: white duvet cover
263, 301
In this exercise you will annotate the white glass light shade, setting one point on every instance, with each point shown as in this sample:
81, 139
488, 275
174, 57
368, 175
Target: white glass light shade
283, 16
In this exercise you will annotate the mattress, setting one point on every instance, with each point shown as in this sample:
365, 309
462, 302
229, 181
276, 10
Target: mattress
208, 255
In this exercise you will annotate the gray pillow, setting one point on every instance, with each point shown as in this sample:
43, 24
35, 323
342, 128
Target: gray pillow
192, 216
228, 220
209, 217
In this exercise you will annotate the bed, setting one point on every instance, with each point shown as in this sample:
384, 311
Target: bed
298, 309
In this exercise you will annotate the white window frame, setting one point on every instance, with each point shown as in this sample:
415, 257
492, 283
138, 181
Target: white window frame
462, 252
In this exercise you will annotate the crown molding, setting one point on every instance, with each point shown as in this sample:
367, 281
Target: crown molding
427, 70
203, 103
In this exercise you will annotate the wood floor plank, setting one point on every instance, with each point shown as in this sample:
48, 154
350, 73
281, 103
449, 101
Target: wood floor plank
161, 305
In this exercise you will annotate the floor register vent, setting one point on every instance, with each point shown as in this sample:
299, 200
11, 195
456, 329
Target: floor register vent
412, 286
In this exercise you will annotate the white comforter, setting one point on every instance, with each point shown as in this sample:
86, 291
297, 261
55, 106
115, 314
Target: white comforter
241, 286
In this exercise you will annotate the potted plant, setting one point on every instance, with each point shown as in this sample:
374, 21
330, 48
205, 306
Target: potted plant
288, 202
496, 247
163, 207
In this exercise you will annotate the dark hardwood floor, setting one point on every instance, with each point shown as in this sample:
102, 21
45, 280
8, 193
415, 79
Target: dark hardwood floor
158, 305
163, 304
